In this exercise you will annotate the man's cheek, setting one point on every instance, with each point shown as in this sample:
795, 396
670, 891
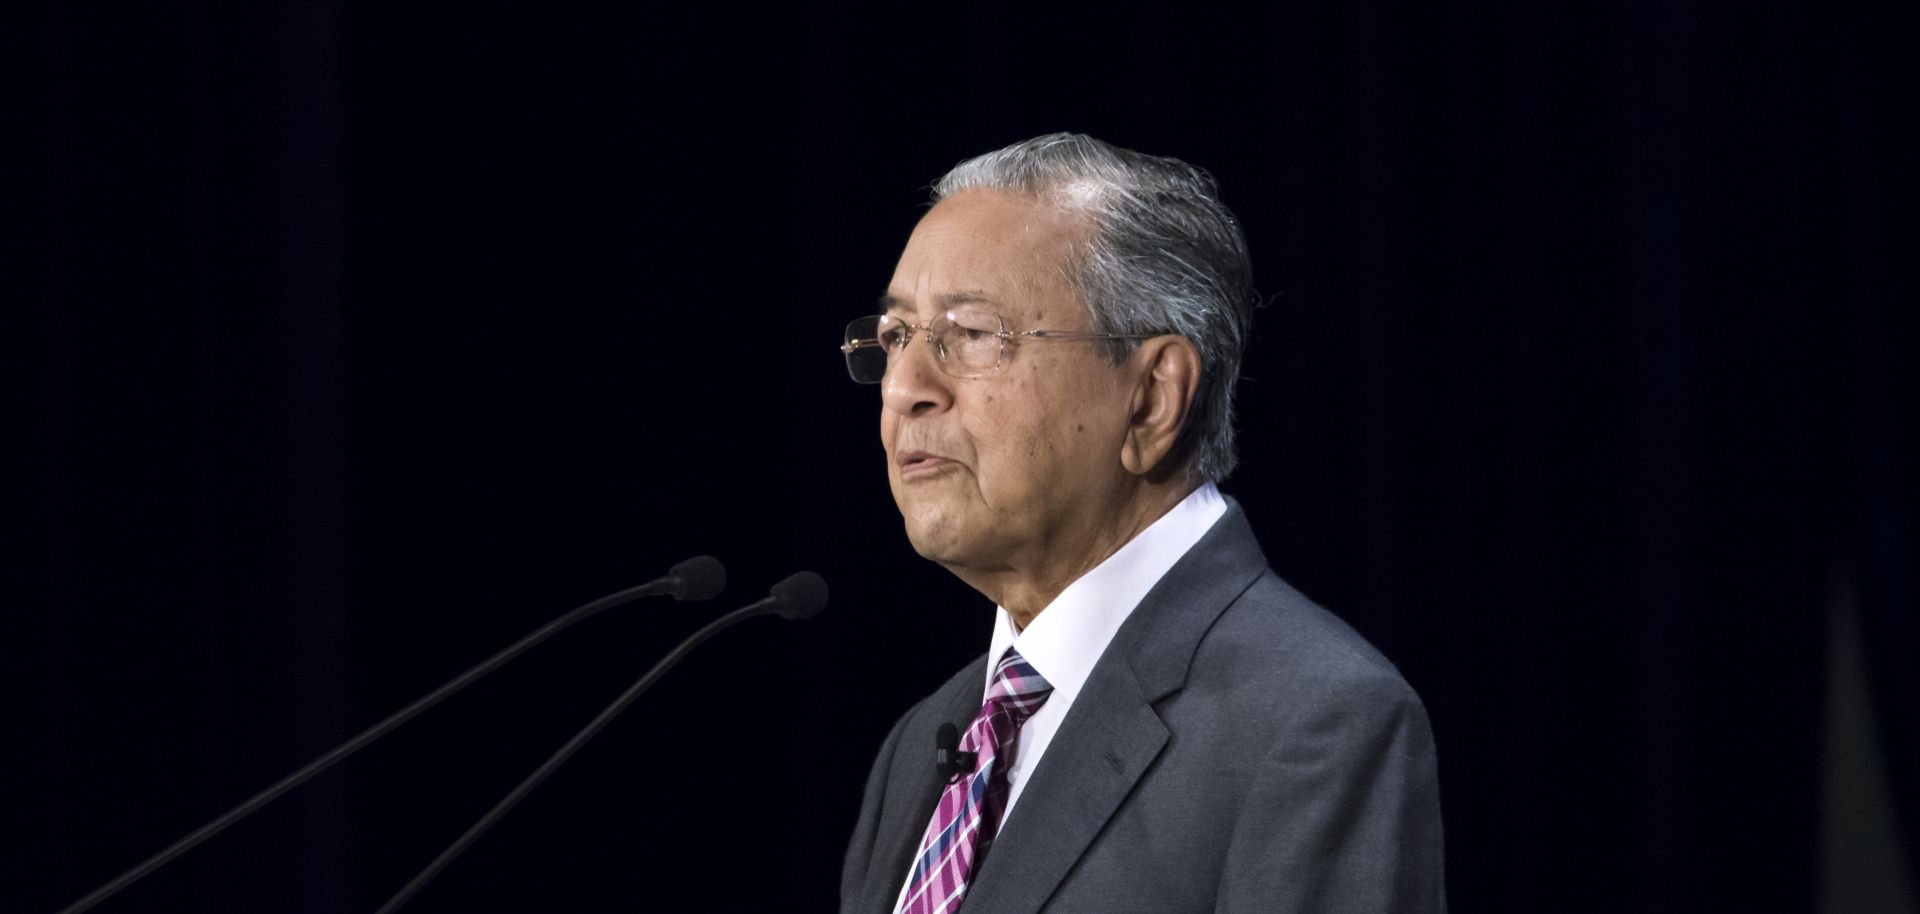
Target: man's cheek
991, 426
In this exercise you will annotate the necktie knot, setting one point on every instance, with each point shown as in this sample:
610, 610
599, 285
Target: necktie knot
1017, 688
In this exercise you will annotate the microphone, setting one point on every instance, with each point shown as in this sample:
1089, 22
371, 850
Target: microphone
699, 578
695, 580
947, 757
798, 596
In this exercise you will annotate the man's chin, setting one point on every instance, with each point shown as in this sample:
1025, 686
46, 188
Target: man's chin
935, 537
931, 546
947, 555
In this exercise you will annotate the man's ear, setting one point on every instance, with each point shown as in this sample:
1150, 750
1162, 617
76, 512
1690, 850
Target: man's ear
1167, 373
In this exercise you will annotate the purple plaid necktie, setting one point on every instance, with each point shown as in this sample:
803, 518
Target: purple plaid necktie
969, 811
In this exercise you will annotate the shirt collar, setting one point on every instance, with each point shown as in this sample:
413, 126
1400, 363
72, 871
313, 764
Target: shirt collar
1067, 637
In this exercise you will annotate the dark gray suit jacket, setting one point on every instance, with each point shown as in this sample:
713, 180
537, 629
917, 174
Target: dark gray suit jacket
1237, 748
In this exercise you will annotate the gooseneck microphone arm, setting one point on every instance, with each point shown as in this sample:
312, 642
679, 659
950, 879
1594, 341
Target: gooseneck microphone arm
799, 596
698, 578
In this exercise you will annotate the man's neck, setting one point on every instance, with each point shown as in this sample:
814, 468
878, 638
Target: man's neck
1025, 591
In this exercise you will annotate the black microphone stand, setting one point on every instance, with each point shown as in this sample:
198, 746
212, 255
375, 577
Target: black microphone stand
799, 596
697, 579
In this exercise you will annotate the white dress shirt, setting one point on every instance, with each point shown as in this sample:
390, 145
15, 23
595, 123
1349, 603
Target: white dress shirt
1067, 638
1069, 635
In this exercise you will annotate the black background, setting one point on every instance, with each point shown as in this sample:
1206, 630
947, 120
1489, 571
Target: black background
347, 342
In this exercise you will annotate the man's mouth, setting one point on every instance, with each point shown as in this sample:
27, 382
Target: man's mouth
917, 463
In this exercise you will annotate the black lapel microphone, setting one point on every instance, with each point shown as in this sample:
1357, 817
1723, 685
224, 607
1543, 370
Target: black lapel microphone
799, 596
698, 578
947, 757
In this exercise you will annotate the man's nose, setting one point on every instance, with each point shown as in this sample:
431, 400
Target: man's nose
914, 384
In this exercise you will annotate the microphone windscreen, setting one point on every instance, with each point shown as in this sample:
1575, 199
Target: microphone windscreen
801, 595
699, 578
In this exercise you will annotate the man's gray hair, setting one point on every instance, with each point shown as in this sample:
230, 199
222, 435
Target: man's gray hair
1165, 256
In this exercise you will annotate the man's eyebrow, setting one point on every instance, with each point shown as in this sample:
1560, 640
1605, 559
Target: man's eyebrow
946, 300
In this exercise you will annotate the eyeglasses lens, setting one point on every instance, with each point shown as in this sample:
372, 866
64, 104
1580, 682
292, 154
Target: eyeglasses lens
866, 359
967, 344
972, 340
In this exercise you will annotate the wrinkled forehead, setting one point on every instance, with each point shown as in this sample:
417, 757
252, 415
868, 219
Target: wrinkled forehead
989, 250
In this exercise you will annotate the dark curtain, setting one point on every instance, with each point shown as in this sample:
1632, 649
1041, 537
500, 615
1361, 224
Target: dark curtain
348, 342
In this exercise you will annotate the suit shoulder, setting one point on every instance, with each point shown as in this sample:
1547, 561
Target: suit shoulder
1277, 674
1274, 637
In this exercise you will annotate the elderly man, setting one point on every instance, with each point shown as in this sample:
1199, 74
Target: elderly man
1160, 723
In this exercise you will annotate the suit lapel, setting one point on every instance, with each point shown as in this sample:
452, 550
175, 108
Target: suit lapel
1113, 734
1107, 741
